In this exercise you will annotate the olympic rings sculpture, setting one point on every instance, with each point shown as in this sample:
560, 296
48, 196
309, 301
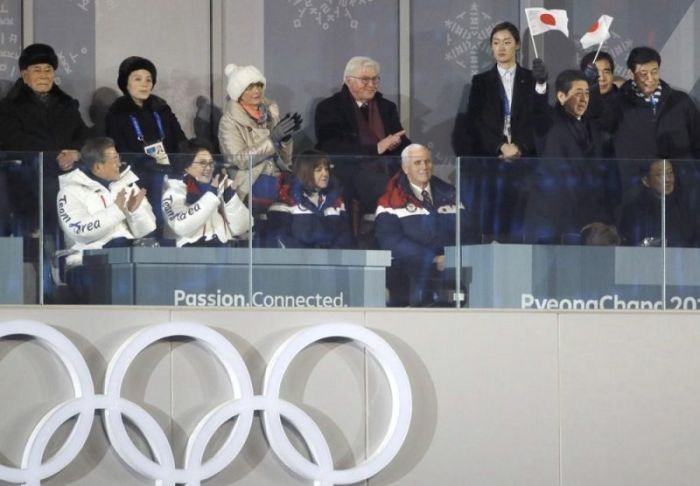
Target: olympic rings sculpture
163, 470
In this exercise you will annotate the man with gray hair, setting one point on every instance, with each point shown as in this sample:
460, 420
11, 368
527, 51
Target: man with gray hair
416, 219
359, 122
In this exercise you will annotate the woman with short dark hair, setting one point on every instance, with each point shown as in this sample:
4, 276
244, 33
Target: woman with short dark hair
310, 211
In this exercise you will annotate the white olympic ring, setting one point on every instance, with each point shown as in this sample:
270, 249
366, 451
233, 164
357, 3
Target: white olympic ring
242, 407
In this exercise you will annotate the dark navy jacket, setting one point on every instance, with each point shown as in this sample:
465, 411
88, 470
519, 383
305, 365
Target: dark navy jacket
294, 221
409, 228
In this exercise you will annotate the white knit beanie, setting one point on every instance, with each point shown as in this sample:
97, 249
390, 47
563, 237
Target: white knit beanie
240, 77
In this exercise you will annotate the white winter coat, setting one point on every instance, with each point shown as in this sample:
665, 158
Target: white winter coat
90, 218
210, 216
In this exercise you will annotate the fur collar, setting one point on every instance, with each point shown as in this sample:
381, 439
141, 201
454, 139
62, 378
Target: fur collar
124, 105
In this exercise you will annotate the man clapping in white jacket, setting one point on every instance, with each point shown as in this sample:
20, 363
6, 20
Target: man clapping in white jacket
99, 205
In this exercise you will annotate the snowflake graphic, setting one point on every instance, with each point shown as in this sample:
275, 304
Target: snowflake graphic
466, 40
326, 13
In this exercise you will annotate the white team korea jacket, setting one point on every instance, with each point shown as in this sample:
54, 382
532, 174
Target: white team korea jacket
210, 216
90, 218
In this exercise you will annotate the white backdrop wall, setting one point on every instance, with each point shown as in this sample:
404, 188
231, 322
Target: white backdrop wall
500, 398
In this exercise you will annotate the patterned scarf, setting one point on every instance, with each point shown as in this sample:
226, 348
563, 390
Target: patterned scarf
652, 99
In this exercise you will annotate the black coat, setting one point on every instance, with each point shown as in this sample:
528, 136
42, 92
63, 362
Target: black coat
673, 132
119, 126
485, 115
571, 186
640, 218
560, 138
337, 131
608, 140
27, 124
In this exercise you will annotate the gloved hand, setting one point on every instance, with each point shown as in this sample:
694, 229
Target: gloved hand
298, 120
539, 70
297, 125
285, 128
591, 74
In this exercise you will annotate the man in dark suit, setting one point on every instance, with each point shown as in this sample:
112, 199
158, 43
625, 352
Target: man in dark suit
499, 124
573, 186
359, 122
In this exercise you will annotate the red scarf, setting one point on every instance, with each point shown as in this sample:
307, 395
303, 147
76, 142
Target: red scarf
371, 131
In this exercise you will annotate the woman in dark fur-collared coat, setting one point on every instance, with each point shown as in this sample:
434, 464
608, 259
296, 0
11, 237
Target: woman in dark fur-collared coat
141, 123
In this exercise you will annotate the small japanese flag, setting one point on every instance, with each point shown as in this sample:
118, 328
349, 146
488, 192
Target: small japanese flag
541, 20
597, 33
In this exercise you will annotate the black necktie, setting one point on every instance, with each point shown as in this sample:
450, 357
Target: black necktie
427, 200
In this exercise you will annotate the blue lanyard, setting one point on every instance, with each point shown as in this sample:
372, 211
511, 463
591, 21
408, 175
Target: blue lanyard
506, 104
506, 112
139, 132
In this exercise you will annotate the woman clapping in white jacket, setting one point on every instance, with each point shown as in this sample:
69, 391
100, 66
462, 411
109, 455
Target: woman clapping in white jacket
200, 208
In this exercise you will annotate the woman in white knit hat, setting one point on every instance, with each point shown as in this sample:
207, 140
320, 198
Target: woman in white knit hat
253, 137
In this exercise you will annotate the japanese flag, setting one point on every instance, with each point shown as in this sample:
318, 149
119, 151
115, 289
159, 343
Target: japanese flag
541, 20
597, 33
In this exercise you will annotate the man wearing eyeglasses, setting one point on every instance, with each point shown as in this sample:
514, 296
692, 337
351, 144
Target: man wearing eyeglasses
358, 121
100, 205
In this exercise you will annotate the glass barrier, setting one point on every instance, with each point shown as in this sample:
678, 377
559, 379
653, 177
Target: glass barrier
353, 232
20, 228
173, 231
346, 231
580, 234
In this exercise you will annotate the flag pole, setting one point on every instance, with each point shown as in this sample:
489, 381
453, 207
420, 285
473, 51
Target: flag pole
529, 27
597, 52
534, 47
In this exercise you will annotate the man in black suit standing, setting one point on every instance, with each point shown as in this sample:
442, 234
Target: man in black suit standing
359, 122
499, 124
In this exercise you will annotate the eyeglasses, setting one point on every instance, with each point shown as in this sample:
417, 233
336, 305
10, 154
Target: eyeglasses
204, 163
366, 80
